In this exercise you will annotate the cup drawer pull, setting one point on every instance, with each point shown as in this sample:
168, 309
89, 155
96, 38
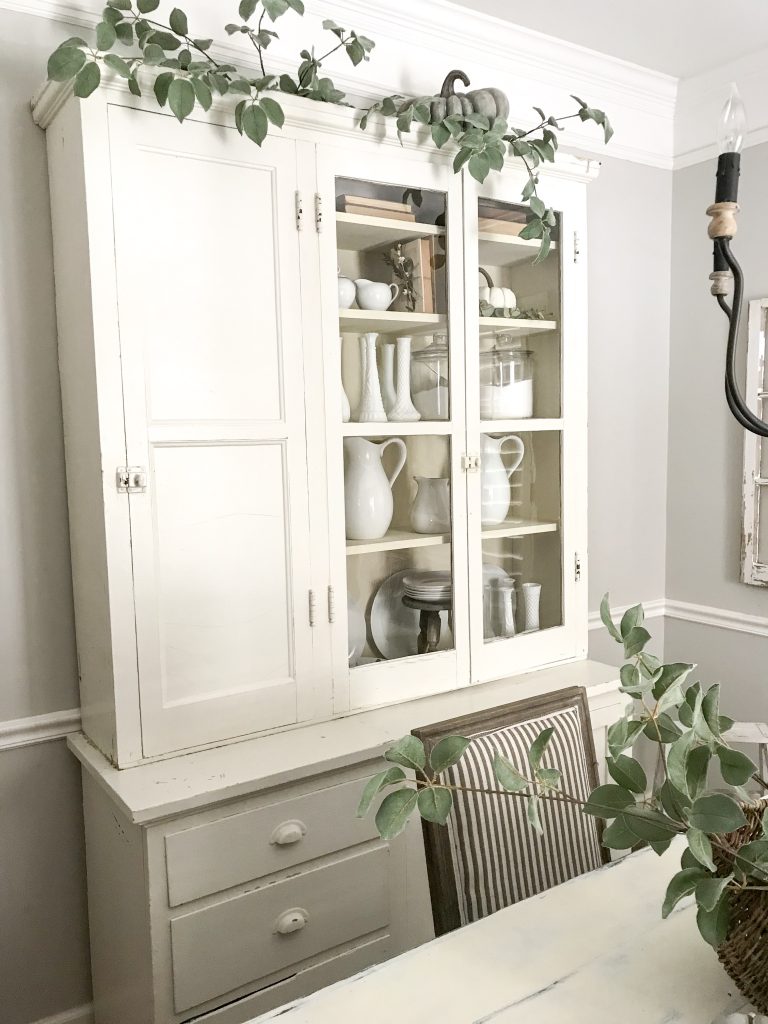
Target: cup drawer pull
291, 921
288, 833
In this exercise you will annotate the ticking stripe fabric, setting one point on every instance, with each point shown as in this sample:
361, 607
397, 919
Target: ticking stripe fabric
498, 859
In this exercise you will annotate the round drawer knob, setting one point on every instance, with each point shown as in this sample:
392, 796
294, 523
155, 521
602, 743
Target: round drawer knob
291, 921
288, 833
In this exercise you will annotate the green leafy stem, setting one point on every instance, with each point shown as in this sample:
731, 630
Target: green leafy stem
482, 143
187, 75
684, 720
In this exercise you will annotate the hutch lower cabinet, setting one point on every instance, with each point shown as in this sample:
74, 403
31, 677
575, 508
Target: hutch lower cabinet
325, 428
224, 883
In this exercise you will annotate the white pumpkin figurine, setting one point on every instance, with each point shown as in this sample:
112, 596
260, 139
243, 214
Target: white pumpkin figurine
499, 298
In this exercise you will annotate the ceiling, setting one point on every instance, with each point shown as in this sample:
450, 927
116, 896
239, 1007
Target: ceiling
679, 37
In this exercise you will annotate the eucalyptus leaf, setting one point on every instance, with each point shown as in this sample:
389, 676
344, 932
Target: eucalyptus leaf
607, 618
618, 836
162, 86
736, 768
710, 890
632, 617
539, 746
181, 98
713, 924
532, 813
651, 826
509, 777
635, 640
435, 803
752, 859
388, 777
117, 64
681, 885
106, 37
716, 814
87, 80
65, 63
662, 729
274, 111
178, 22
696, 771
608, 801
628, 772
408, 752
147, 6
447, 752
394, 812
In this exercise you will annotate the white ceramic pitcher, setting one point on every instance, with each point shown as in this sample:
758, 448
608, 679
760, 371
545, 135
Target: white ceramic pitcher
496, 477
368, 500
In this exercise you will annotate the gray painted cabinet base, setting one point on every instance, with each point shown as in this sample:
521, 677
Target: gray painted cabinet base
241, 893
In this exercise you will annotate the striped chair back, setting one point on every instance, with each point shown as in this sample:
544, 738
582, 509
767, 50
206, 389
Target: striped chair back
488, 856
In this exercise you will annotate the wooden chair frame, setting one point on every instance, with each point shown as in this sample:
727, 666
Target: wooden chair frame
437, 846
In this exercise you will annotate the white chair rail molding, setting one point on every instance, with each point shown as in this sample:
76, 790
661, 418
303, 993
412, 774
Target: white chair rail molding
362, 379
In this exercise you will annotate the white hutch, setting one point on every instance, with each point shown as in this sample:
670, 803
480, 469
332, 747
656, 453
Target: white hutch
243, 661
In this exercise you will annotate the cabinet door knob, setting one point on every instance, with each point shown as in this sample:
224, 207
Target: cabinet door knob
291, 921
288, 832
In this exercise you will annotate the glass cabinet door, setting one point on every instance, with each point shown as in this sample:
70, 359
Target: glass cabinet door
515, 402
397, 439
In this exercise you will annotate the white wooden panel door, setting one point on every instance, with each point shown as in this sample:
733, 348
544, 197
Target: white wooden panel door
211, 342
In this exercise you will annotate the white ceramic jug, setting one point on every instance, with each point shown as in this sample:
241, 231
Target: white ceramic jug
375, 294
431, 509
495, 476
368, 500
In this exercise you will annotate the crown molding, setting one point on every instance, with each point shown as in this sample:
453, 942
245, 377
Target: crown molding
530, 67
701, 98
25, 732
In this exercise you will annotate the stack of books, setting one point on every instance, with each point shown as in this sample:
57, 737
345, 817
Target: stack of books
499, 221
365, 207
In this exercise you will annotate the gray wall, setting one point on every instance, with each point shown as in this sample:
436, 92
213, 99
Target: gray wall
43, 949
43, 936
705, 443
629, 295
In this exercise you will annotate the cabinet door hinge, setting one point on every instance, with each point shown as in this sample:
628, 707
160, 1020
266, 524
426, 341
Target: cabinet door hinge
577, 567
312, 607
299, 212
470, 463
576, 247
318, 212
331, 605
131, 479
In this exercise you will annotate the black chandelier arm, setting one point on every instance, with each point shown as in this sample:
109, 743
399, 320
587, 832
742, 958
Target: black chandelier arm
736, 403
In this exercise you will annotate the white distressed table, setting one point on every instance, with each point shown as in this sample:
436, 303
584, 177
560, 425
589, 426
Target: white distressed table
593, 951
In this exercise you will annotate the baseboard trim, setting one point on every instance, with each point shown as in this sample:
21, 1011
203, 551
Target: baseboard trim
700, 614
77, 1015
25, 732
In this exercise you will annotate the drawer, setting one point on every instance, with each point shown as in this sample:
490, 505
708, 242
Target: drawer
301, 984
222, 947
248, 844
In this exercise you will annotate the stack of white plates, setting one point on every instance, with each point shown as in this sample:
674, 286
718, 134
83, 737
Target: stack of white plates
428, 586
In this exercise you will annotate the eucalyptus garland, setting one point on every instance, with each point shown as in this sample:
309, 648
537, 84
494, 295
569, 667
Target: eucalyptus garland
186, 76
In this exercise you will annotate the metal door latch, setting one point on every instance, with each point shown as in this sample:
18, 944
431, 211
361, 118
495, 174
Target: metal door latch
131, 479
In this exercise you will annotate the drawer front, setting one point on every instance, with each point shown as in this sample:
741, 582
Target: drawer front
302, 984
220, 948
245, 845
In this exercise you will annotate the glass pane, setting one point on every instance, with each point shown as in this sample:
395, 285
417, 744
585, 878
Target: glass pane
396, 404
520, 381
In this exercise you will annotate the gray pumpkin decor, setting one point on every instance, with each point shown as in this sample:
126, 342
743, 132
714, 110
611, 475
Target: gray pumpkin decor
490, 102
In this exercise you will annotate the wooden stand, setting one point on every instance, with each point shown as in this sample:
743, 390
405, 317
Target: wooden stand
429, 621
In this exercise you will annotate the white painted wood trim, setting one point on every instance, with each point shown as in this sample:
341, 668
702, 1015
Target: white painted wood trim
703, 615
77, 1015
530, 66
24, 732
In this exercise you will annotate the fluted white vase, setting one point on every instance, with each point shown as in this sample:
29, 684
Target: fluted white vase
346, 412
404, 411
388, 394
371, 408
531, 602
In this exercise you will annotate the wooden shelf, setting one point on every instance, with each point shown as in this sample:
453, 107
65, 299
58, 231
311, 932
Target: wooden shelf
498, 323
506, 250
396, 540
393, 429
518, 528
360, 233
505, 426
360, 321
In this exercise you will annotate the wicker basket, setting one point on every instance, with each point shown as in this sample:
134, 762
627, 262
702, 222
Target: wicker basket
744, 954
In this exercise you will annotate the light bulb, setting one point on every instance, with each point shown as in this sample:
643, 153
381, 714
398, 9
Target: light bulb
732, 125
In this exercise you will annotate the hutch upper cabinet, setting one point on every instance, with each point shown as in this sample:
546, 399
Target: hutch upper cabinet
297, 492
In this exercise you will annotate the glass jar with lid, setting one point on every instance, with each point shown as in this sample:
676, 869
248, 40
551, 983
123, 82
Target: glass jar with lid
429, 379
506, 380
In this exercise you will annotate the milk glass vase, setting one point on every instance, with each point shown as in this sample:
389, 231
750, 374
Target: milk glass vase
371, 408
404, 411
